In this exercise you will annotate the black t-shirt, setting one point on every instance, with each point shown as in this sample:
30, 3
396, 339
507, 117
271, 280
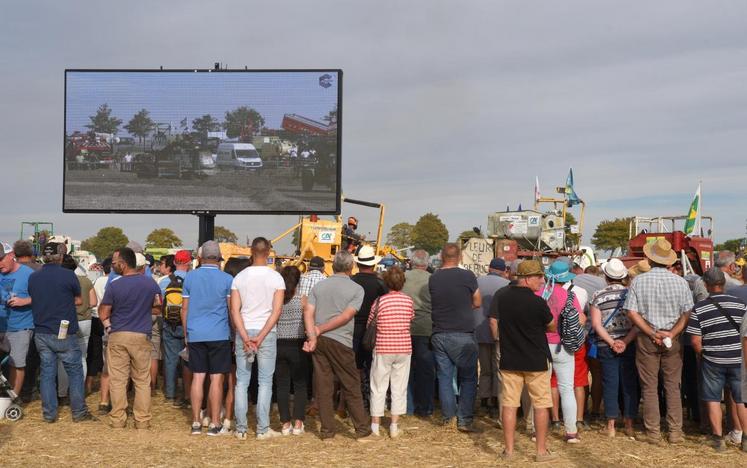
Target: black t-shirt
522, 322
451, 300
373, 287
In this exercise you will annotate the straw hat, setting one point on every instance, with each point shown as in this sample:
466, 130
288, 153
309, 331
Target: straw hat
367, 256
639, 268
660, 252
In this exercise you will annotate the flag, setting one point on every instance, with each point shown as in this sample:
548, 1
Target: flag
536, 189
693, 216
570, 193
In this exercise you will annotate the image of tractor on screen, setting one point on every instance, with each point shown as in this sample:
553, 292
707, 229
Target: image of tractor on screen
183, 141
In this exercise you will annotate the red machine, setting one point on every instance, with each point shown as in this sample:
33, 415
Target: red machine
695, 252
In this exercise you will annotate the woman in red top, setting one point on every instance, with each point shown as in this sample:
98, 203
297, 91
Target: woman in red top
391, 355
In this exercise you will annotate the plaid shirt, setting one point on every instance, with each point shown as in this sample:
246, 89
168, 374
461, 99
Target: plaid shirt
660, 297
308, 281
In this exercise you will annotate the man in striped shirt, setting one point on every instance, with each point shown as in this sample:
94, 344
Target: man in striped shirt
714, 330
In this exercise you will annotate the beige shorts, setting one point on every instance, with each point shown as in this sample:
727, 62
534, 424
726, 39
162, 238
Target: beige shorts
155, 338
538, 387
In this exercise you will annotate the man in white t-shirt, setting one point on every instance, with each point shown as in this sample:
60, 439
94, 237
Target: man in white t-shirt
256, 303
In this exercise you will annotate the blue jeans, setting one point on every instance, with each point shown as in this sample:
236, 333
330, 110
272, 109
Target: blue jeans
456, 356
172, 339
618, 370
266, 368
422, 377
68, 352
564, 365
714, 379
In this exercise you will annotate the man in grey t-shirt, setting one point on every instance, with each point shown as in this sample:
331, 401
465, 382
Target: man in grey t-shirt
328, 319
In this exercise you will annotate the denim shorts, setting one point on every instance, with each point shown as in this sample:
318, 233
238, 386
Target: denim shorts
714, 379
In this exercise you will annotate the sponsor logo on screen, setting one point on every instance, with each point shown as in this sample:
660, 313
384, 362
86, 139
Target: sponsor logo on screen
325, 81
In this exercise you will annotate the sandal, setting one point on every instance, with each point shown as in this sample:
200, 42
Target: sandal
605, 431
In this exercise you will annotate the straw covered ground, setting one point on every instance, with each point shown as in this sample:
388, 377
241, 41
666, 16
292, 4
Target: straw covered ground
31, 442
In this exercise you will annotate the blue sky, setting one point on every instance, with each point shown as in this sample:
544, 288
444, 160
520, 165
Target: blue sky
449, 107
171, 96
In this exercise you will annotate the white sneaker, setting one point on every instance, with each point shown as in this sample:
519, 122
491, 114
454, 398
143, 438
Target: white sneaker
205, 418
735, 437
286, 431
225, 430
298, 431
240, 435
394, 432
269, 434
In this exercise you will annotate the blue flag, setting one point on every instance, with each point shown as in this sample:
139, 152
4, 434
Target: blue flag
570, 193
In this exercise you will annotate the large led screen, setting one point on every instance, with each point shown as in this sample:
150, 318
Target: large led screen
250, 141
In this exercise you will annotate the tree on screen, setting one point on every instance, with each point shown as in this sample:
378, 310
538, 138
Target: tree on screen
103, 122
140, 125
105, 242
242, 119
163, 237
223, 234
400, 235
430, 233
331, 117
206, 123
611, 234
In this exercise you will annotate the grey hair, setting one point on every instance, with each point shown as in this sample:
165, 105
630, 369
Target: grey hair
420, 258
725, 258
343, 262
714, 277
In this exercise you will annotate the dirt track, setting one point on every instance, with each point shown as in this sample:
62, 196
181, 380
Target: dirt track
271, 191
31, 442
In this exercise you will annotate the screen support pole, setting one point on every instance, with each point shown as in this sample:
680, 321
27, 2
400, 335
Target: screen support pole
207, 227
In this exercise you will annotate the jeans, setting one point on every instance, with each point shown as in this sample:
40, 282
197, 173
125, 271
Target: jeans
172, 339
456, 356
715, 378
266, 356
84, 333
292, 365
67, 351
618, 370
422, 376
564, 365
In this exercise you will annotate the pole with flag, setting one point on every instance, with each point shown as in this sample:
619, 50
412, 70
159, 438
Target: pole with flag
570, 192
693, 217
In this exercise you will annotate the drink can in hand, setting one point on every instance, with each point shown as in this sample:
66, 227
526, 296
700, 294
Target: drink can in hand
667, 342
64, 325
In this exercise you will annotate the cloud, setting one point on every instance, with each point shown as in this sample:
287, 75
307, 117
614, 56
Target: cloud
449, 108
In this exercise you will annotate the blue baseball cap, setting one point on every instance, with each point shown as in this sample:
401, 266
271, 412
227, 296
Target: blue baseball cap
498, 264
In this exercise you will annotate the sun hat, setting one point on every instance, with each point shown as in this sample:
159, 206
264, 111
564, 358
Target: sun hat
530, 268
639, 268
367, 256
560, 272
660, 252
615, 269
140, 260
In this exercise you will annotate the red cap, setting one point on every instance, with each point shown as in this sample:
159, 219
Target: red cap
183, 256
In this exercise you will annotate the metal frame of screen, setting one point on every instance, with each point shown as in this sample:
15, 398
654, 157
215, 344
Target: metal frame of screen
338, 191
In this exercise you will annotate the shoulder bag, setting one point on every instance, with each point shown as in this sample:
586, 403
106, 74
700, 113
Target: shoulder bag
369, 336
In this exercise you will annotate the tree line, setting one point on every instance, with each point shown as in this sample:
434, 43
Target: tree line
141, 124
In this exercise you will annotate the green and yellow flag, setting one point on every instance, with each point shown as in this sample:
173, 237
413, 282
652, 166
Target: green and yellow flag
693, 216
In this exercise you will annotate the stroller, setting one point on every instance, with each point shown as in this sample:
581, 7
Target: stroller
14, 412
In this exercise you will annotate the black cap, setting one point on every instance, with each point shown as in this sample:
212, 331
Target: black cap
316, 263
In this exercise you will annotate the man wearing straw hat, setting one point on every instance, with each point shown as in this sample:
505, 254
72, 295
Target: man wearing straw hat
659, 304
